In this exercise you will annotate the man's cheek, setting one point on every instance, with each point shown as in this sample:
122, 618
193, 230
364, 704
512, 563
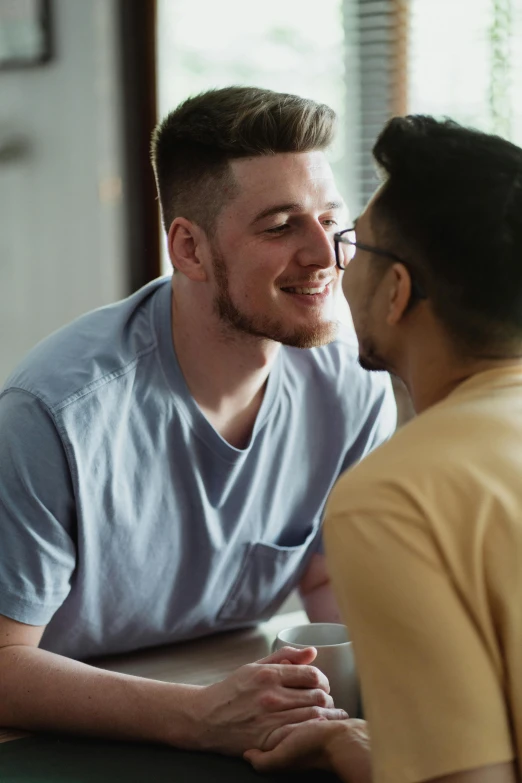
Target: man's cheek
348, 288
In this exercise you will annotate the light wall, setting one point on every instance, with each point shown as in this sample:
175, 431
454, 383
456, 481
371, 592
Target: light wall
62, 234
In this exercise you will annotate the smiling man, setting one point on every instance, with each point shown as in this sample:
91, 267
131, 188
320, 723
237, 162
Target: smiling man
165, 461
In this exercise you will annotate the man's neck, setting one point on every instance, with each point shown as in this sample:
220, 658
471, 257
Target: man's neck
225, 371
431, 371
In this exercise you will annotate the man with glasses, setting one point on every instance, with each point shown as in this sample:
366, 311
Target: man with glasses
424, 537
165, 461
346, 244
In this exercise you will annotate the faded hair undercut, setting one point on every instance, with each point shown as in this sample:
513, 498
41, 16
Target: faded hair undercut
191, 148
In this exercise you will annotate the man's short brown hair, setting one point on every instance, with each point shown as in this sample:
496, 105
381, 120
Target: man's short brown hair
191, 148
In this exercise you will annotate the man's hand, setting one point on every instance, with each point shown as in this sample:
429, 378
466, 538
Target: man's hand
242, 711
342, 747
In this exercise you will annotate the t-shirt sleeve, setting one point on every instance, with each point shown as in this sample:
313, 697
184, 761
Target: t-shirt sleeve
37, 548
431, 690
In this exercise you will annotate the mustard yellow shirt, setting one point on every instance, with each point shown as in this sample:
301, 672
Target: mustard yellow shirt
424, 542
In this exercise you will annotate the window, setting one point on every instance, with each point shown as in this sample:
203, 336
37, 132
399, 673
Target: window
465, 61
455, 58
293, 46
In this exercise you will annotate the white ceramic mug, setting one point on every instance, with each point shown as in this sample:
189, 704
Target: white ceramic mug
334, 658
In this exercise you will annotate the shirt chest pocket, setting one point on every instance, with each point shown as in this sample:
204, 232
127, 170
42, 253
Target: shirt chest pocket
266, 576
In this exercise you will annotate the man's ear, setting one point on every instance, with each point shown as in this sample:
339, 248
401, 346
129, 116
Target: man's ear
188, 245
399, 293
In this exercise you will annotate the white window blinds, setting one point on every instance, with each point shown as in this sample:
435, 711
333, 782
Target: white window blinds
456, 58
378, 30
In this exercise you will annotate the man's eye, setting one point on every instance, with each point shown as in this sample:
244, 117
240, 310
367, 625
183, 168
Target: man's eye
277, 229
329, 223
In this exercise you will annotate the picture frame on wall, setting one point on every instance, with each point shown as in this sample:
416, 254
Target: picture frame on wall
25, 33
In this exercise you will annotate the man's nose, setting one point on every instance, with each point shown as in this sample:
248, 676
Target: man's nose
318, 248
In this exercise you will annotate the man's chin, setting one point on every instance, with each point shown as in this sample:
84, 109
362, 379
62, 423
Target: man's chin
322, 334
372, 363
305, 335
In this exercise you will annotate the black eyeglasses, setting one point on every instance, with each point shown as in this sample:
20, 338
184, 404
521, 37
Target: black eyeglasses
344, 256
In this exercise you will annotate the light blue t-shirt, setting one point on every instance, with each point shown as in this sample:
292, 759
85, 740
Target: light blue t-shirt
126, 520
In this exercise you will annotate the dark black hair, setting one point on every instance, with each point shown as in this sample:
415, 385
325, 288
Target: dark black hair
451, 204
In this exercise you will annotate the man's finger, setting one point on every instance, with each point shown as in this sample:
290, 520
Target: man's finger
304, 677
252, 755
285, 699
263, 761
291, 655
302, 714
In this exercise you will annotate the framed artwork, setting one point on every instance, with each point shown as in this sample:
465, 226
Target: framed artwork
25, 33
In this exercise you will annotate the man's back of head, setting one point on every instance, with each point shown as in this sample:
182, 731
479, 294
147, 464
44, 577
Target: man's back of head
451, 206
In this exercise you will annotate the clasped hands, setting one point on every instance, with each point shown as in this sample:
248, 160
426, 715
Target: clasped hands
278, 713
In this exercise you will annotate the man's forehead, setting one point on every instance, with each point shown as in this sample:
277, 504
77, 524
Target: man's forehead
256, 170
284, 178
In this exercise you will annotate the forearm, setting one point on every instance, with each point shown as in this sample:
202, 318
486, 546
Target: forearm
43, 691
320, 604
316, 592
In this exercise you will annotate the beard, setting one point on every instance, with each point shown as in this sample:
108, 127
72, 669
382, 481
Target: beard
370, 358
264, 326
371, 361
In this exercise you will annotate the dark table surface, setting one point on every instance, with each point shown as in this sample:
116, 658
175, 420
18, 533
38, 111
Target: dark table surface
62, 759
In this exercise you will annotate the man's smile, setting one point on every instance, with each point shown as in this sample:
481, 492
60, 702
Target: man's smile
314, 290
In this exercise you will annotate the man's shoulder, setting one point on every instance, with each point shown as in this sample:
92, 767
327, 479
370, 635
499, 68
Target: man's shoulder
433, 452
412, 446
90, 351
